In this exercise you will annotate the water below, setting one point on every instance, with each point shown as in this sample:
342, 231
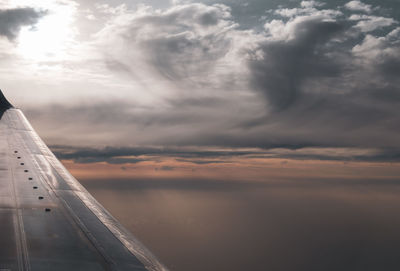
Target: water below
206, 225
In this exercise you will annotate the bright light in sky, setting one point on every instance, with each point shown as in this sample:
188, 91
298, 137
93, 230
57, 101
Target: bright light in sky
51, 37
201, 73
285, 90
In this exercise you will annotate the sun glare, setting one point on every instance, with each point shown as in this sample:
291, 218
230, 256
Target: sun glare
51, 37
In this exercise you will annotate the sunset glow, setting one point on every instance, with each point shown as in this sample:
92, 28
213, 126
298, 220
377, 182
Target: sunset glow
261, 135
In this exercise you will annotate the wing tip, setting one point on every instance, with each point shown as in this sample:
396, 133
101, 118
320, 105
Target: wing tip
4, 103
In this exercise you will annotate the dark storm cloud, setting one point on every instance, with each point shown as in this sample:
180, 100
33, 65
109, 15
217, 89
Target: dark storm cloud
11, 20
287, 64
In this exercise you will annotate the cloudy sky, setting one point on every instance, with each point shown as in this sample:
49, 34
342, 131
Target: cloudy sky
267, 129
128, 82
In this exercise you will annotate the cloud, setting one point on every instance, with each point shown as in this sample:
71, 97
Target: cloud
12, 20
189, 75
197, 46
202, 162
308, 8
358, 6
368, 23
382, 55
311, 4
187, 41
111, 154
285, 64
204, 156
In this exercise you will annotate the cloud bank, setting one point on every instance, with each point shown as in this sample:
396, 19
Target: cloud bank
201, 156
307, 75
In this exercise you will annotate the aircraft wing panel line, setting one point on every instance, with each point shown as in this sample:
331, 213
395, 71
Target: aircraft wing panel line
21, 245
53, 214
131, 243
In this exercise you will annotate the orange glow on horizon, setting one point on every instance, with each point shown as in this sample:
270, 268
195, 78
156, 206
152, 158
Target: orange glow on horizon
246, 169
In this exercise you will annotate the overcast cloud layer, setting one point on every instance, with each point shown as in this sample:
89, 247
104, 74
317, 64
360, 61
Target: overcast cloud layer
301, 74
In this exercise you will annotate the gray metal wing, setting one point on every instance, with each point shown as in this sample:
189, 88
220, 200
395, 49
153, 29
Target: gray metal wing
48, 221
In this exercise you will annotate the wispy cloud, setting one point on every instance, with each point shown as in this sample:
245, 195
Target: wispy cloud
358, 6
367, 23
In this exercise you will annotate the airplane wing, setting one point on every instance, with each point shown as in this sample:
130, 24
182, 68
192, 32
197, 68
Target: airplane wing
48, 221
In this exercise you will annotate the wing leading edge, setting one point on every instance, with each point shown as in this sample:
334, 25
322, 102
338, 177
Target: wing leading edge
48, 221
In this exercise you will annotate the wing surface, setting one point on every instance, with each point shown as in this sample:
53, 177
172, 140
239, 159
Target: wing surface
48, 221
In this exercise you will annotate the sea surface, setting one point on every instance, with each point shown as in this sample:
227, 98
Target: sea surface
304, 225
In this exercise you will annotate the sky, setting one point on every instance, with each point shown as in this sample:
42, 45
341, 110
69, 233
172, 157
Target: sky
204, 99
230, 75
